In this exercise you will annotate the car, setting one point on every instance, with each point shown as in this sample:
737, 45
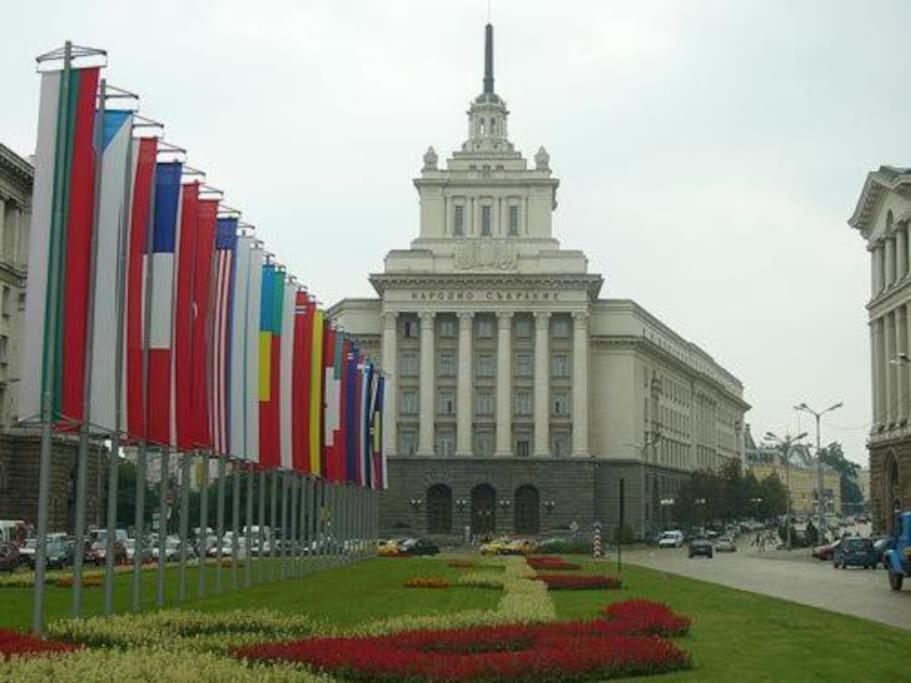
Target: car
826, 551
521, 546
58, 554
854, 551
881, 545
701, 546
497, 546
418, 546
671, 539
389, 547
130, 548
27, 551
725, 544
9, 556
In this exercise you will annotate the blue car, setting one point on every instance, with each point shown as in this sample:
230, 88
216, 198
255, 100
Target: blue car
854, 551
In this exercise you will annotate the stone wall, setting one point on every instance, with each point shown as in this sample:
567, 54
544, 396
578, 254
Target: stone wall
881, 456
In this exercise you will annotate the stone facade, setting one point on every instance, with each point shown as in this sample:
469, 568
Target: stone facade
883, 219
802, 483
514, 390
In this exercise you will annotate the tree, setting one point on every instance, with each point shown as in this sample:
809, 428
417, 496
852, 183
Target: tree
833, 456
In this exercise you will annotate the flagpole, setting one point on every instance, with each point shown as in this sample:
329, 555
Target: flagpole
235, 521
273, 518
219, 523
184, 524
248, 530
262, 522
139, 542
203, 543
162, 522
284, 514
292, 521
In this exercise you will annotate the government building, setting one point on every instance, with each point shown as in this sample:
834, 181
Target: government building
519, 399
883, 218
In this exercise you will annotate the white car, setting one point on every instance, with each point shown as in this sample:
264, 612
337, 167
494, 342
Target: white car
671, 539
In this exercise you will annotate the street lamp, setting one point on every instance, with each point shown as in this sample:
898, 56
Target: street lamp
786, 444
819, 482
665, 505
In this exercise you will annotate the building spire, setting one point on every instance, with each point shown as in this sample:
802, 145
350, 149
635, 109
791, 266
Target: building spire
488, 59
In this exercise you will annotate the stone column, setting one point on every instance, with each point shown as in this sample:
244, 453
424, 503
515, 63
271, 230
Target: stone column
900, 367
542, 383
901, 253
504, 384
9, 257
875, 275
580, 384
427, 384
890, 260
888, 367
463, 386
883, 414
391, 400
875, 336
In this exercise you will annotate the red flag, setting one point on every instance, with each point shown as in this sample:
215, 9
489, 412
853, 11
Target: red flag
181, 364
202, 324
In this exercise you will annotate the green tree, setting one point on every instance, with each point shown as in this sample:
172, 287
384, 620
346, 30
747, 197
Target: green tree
833, 455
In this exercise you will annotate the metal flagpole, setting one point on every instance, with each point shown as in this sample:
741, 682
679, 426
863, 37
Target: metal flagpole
219, 523
184, 523
203, 544
302, 524
139, 543
262, 521
235, 522
284, 508
295, 545
248, 530
273, 518
163, 523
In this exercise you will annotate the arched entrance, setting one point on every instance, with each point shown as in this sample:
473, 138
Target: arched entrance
439, 509
528, 503
892, 491
483, 509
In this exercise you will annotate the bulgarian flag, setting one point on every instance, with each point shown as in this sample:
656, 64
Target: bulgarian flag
60, 243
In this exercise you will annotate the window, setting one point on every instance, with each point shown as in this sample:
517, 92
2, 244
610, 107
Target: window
409, 402
5, 305
408, 442
524, 363
513, 220
447, 328
523, 402
445, 402
523, 328
485, 328
409, 364
559, 366
483, 443
560, 444
493, 126
445, 442
484, 402
560, 403
447, 364
410, 328
485, 365
561, 328
21, 301
458, 220
523, 446
485, 221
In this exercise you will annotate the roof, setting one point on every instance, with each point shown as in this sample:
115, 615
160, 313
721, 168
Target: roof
885, 179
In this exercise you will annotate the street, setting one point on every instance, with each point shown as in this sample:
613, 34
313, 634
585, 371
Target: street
793, 576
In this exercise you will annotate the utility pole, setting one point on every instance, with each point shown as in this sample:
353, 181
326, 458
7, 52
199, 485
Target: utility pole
785, 445
820, 498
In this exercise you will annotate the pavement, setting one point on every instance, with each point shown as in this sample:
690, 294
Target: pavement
793, 576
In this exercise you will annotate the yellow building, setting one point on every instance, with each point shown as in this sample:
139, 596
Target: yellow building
802, 483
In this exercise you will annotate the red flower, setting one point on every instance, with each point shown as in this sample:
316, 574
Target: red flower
583, 582
646, 617
14, 643
551, 564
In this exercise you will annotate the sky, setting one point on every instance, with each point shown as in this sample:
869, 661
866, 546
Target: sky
709, 153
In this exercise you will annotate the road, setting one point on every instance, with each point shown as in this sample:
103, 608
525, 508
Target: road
791, 576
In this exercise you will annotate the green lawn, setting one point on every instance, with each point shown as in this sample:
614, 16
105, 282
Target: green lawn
736, 636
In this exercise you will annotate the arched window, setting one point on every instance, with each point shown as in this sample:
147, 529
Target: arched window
528, 520
483, 509
892, 498
439, 509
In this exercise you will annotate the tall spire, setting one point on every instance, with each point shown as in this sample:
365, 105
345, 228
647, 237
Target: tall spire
488, 59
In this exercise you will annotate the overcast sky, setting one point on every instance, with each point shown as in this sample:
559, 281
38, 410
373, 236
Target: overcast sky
709, 153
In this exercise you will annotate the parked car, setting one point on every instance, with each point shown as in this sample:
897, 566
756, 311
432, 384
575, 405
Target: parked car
498, 546
521, 546
825, 551
701, 546
881, 545
418, 546
59, 554
9, 556
671, 539
855, 552
725, 544
130, 548
27, 551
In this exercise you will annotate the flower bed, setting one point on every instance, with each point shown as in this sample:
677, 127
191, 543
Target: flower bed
569, 650
462, 564
90, 581
427, 582
585, 582
550, 564
483, 579
646, 617
13, 643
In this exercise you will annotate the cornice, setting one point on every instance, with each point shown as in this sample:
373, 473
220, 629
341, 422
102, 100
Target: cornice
590, 282
875, 185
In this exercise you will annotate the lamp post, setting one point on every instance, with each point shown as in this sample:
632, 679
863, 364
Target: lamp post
666, 504
819, 480
786, 444
756, 501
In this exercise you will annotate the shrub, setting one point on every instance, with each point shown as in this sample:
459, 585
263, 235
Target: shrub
646, 617
427, 582
585, 582
565, 548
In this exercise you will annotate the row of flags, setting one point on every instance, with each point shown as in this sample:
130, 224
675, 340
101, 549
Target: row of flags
189, 334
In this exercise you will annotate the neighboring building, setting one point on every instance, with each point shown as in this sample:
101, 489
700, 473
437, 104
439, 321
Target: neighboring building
882, 217
518, 399
19, 447
863, 481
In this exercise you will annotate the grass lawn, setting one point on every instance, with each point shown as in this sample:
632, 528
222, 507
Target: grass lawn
736, 636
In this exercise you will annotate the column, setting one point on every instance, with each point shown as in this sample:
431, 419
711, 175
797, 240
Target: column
888, 366
901, 252
900, 367
874, 271
874, 366
463, 386
580, 384
542, 383
4, 257
890, 260
504, 384
883, 414
428, 381
391, 400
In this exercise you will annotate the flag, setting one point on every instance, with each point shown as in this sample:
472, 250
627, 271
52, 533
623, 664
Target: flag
329, 465
275, 366
117, 130
235, 358
302, 366
143, 177
202, 325
54, 338
286, 376
316, 394
161, 308
350, 425
222, 424
366, 371
268, 306
182, 358
382, 476
252, 370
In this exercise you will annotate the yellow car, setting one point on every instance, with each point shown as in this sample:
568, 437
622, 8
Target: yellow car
499, 546
521, 546
389, 548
